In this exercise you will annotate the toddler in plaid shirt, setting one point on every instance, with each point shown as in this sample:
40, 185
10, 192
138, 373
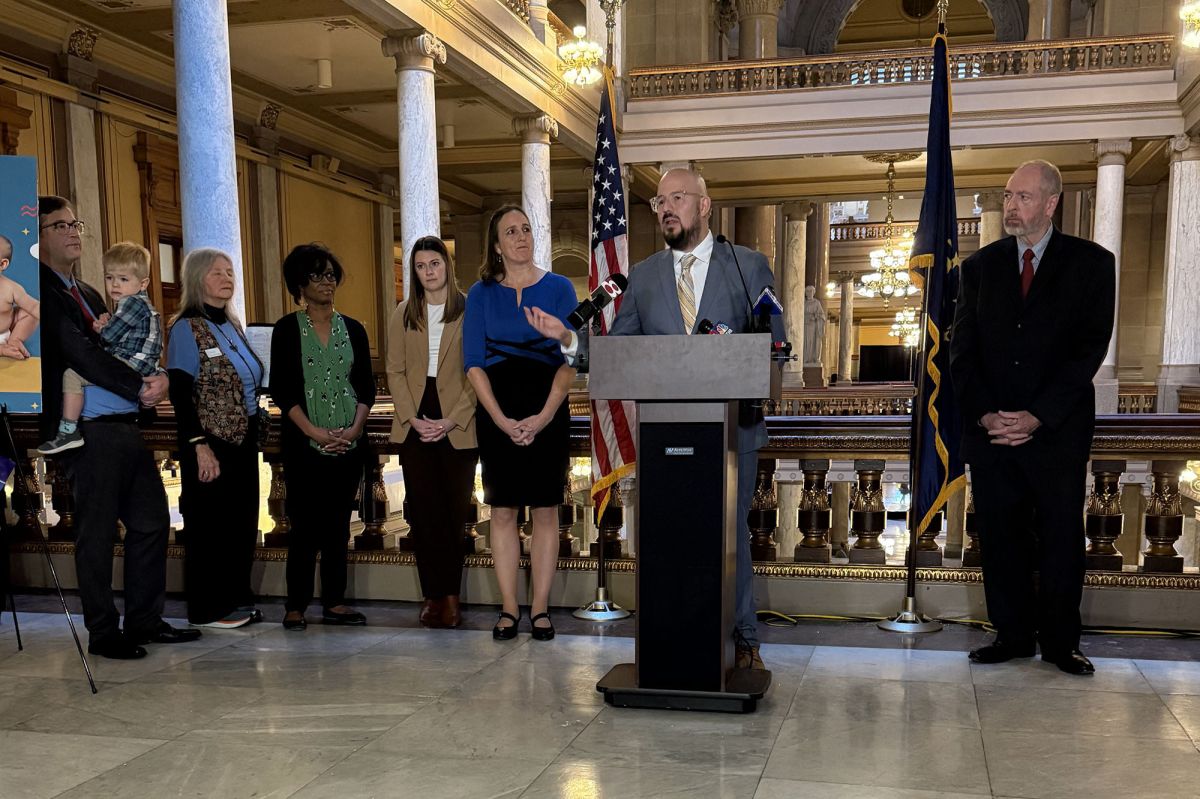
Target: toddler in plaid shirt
133, 334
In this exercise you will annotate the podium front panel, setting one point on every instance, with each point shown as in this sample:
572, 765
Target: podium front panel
680, 368
686, 557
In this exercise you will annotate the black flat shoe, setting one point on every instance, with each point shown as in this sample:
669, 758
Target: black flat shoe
351, 619
541, 633
1001, 652
1073, 662
297, 625
506, 633
164, 634
116, 648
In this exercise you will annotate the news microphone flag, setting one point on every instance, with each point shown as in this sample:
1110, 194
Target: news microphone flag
934, 261
613, 455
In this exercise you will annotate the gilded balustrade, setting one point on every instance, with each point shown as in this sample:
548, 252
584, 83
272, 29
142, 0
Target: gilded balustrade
877, 231
831, 513
967, 62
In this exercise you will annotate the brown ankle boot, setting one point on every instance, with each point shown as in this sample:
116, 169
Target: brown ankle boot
451, 614
431, 613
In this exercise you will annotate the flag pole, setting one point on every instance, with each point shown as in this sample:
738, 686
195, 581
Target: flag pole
601, 608
908, 620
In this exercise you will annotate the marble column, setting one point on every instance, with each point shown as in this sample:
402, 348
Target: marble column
539, 13
1181, 301
208, 187
83, 165
468, 248
420, 211
392, 277
535, 131
758, 28
755, 228
845, 328
791, 281
268, 236
1049, 19
1110, 212
991, 220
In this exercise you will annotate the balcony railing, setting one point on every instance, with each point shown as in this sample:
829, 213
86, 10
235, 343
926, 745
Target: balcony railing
872, 231
968, 62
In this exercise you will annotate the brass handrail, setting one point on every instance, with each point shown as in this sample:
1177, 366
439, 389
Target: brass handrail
967, 62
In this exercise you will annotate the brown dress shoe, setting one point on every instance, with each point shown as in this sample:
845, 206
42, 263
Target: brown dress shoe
747, 657
451, 614
431, 613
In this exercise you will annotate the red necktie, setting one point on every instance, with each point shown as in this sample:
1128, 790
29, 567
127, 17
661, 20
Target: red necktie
82, 304
1026, 273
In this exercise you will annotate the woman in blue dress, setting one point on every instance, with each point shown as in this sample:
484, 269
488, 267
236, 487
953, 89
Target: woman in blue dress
522, 422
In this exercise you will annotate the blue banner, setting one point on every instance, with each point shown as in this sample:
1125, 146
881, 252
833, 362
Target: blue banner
20, 342
936, 462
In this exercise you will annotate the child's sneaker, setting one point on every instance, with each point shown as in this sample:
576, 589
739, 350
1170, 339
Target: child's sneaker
61, 443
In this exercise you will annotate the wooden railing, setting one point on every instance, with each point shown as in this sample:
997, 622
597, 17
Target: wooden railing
968, 62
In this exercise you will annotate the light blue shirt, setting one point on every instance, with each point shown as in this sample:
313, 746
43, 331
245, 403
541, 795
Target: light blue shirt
1039, 250
183, 353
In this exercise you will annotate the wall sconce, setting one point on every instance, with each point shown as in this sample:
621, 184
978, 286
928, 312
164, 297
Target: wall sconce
1189, 12
581, 58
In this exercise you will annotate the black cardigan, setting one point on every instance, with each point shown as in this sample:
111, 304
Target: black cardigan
287, 376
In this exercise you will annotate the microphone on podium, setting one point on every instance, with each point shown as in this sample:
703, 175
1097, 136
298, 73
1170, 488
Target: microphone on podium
721, 239
605, 293
717, 329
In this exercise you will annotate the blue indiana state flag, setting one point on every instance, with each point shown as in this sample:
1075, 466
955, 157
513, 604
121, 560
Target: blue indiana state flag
936, 462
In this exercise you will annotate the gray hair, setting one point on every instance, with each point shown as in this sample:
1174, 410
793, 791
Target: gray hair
1051, 177
196, 266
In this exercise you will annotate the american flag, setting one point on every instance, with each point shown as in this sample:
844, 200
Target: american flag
613, 453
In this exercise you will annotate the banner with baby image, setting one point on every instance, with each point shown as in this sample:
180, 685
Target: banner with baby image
20, 344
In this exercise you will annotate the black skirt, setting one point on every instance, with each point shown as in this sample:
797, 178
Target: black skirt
533, 475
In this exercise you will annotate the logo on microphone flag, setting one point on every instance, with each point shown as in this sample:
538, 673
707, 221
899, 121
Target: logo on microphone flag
937, 465
613, 455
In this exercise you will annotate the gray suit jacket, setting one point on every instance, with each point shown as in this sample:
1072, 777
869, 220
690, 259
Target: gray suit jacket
650, 306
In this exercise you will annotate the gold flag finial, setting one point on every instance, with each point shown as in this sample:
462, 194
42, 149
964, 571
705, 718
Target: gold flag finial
943, 6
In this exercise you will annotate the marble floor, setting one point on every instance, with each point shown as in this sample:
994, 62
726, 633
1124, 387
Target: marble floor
394, 711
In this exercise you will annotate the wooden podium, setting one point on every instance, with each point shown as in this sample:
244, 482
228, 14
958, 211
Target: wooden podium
687, 390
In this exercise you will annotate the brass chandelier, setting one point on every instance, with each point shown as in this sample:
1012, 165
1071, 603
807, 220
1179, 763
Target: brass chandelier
906, 328
889, 275
581, 59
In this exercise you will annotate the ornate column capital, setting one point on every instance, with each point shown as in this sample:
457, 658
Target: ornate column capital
757, 8
797, 210
725, 15
415, 51
1112, 151
992, 200
1184, 148
535, 128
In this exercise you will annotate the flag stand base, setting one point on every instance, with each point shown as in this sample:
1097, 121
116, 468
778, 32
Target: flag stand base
909, 621
601, 609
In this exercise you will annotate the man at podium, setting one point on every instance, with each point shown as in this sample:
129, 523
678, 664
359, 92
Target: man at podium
673, 292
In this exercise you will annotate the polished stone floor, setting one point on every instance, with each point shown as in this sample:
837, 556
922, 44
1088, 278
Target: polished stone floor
395, 711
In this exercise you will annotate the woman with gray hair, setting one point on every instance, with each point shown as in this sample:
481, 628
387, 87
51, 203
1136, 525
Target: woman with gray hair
215, 381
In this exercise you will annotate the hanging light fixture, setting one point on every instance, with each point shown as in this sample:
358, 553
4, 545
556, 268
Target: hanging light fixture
1189, 12
889, 265
906, 328
581, 59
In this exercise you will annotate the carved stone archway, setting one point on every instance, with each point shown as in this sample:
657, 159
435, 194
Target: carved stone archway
817, 25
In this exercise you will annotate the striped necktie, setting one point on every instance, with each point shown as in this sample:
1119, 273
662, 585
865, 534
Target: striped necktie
687, 293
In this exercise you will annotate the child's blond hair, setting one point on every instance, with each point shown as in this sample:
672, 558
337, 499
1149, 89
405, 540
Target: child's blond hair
127, 256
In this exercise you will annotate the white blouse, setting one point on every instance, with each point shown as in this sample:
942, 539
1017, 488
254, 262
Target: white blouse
433, 324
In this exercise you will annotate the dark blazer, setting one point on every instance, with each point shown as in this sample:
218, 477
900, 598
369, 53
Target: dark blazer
68, 342
650, 305
1038, 354
287, 377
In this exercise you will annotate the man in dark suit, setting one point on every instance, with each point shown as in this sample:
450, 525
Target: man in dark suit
1033, 321
670, 293
113, 476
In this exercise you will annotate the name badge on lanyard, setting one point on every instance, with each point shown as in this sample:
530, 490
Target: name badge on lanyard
213, 352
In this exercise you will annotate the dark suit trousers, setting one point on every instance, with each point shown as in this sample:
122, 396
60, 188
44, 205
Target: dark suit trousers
320, 497
221, 529
113, 477
1030, 517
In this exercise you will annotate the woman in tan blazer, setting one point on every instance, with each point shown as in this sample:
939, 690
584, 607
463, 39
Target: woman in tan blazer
434, 424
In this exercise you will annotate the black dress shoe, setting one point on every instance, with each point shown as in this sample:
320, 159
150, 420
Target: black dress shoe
351, 619
116, 648
541, 633
295, 625
1001, 652
1072, 662
164, 634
